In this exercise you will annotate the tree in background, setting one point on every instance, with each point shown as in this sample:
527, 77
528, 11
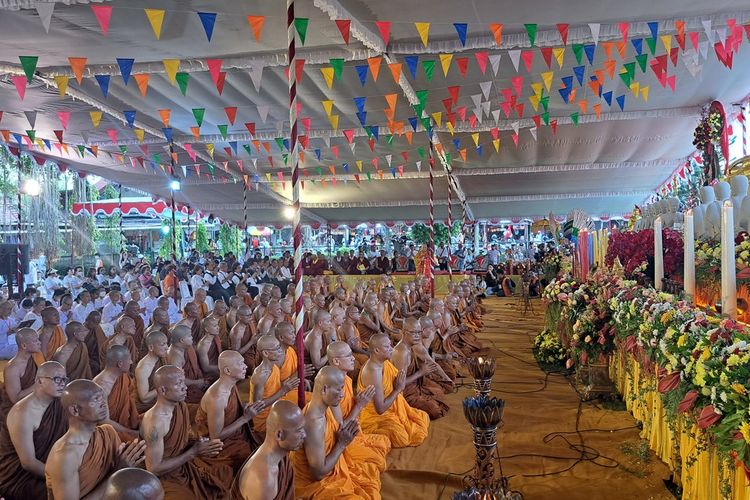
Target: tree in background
230, 239
201, 238
109, 234
420, 233
165, 250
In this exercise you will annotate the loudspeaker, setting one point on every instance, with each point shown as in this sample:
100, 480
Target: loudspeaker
9, 259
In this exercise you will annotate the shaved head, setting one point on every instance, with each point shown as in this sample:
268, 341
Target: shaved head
284, 415
411, 323
133, 484
166, 375
160, 316
71, 328
155, 338
328, 376
378, 340
322, 315
26, 336
80, 393
268, 343
116, 354
179, 332
338, 349
227, 358
50, 368
132, 307
123, 322
245, 311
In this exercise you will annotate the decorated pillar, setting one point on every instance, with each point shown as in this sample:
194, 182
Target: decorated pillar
19, 250
728, 263
658, 254
688, 240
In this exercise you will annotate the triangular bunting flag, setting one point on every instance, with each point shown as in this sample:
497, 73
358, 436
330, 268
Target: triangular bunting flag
384, 27
28, 63
103, 15
208, 19
96, 118
461, 31
126, 66
103, 81
344, 25
300, 25
142, 81
182, 81
155, 18
424, 32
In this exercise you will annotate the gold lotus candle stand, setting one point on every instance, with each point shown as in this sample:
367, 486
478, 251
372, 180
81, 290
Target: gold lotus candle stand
482, 369
485, 414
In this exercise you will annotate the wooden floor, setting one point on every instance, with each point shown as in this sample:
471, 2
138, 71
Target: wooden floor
535, 407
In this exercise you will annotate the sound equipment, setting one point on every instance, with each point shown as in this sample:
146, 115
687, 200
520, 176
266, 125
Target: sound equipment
9, 259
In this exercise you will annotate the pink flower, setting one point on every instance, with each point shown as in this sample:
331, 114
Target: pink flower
669, 382
708, 417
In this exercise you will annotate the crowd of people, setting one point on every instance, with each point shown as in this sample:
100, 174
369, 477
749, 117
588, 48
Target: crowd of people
129, 378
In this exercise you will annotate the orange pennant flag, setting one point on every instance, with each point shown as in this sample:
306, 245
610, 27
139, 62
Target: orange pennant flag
408, 135
607, 49
78, 64
395, 71
497, 32
598, 110
621, 48
196, 132
142, 80
583, 104
165, 114
610, 67
389, 115
391, 100
374, 63
256, 24
463, 153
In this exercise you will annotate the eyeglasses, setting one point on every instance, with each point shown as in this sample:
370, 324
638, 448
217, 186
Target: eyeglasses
58, 380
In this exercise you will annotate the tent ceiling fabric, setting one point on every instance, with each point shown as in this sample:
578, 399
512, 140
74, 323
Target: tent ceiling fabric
602, 166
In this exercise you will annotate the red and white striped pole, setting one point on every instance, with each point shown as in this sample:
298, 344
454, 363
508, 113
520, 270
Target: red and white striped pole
432, 223
299, 303
743, 121
244, 211
19, 256
450, 226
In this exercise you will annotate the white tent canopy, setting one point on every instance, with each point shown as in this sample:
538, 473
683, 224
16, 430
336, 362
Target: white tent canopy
604, 165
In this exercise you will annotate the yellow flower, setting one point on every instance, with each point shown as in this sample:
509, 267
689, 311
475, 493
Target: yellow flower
739, 388
667, 316
745, 431
670, 332
733, 360
700, 375
682, 340
705, 354
723, 379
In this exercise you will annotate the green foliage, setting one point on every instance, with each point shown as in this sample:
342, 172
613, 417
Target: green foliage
165, 250
230, 239
110, 192
420, 233
201, 238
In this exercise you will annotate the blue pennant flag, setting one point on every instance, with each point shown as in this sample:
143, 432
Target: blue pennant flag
567, 81
461, 30
429, 132
654, 27
207, 20
346, 167
126, 66
637, 45
374, 130
129, 117
317, 154
233, 145
479, 150
413, 122
411, 62
360, 103
579, 71
362, 115
286, 144
393, 171
589, 49
457, 144
47, 143
103, 81
362, 72
565, 94
608, 97
18, 139
621, 101
167, 133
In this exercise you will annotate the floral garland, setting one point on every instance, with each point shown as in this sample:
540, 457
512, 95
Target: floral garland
633, 249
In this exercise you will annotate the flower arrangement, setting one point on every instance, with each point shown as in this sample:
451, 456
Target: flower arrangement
635, 248
548, 350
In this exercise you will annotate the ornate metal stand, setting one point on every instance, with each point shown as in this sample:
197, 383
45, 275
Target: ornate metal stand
482, 369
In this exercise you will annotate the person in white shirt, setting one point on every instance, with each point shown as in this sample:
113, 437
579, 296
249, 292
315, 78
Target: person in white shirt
65, 309
73, 280
113, 310
52, 282
133, 285
35, 314
196, 280
22, 310
8, 347
172, 309
101, 299
493, 255
84, 307
151, 302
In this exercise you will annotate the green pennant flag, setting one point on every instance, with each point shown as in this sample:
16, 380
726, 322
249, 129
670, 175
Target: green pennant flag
81, 149
223, 130
279, 143
418, 109
211, 169
448, 158
531, 30
422, 96
369, 177
625, 78
578, 51
544, 101
31, 134
630, 67
545, 117
369, 132
338, 67
651, 42
182, 81
574, 117
29, 66
198, 114
642, 59
124, 149
420, 150
246, 147
425, 122
389, 138
429, 68
157, 158
320, 171
285, 157
300, 24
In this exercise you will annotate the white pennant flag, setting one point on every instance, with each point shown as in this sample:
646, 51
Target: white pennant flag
326, 141
256, 72
707, 28
255, 164
486, 86
532, 130
477, 100
496, 115
478, 112
44, 10
486, 108
263, 112
515, 56
84, 136
515, 127
184, 170
595, 27
703, 47
352, 146
722, 32
388, 159
495, 62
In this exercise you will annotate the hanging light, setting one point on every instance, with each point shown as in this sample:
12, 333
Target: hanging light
289, 212
165, 230
31, 187
174, 185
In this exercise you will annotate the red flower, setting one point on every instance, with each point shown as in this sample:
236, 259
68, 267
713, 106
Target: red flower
687, 402
669, 382
708, 417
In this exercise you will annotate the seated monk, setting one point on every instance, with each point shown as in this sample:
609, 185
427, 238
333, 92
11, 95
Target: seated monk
286, 308
118, 386
420, 391
243, 336
20, 372
339, 299
74, 354
219, 314
221, 415
448, 363
33, 426
386, 312
338, 315
271, 317
268, 473
82, 460
155, 358
181, 354
170, 454
266, 383
209, 347
369, 322
234, 304
288, 362
132, 483
444, 346
124, 331
94, 340
192, 319
349, 332
133, 311
199, 299
261, 302
51, 335
372, 445
317, 339
466, 342
389, 413
326, 467
159, 323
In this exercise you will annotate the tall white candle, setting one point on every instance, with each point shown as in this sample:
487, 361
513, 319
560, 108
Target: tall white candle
728, 272
688, 237
658, 254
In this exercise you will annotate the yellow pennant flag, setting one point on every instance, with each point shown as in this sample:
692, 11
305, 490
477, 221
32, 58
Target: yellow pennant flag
424, 31
635, 87
475, 138
328, 75
171, 66
496, 143
268, 176
537, 88
210, 149
359, 164
559, 54
667, 41
139, 133
534, 100
334, 119
547, 79
450, 127
62, 84
445, 62
438, 117
156, 18
327, 106
644, 93
96, 117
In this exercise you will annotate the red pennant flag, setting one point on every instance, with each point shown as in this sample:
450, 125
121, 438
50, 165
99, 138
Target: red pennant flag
214, 68
103, 15
495, 132
506, 108
517, 82
304, 141
405, 155
694, 36
344, 26
463, 63
385, 30
563, 30
231, 112
251, 128
672, 81
356, 178
1, 116
20, 82
461, 113
473, 121
300, 66
537, 121
514, 136
482, 59
220, 82
547, 55
59, 135
553, 125
519, 110
371, 143
335, 151
528, 58
624, 28
454, 91
64, 117
349, 134
673, 55
306, 123
228, 151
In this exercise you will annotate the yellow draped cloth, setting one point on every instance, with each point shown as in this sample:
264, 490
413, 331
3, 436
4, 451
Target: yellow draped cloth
288, 369
402, 424
352, 477
373, 447
273, 384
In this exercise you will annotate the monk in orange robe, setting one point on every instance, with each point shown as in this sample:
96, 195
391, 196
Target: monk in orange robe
349, 332
170, 454
118, 386
145, 393
124, 331
133, 311
243, 336
51, 335
288, 364
266, 383
95, 340
182, 354
326, 467
221, 414
85, 456
20, 372
74, 354
389, 413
